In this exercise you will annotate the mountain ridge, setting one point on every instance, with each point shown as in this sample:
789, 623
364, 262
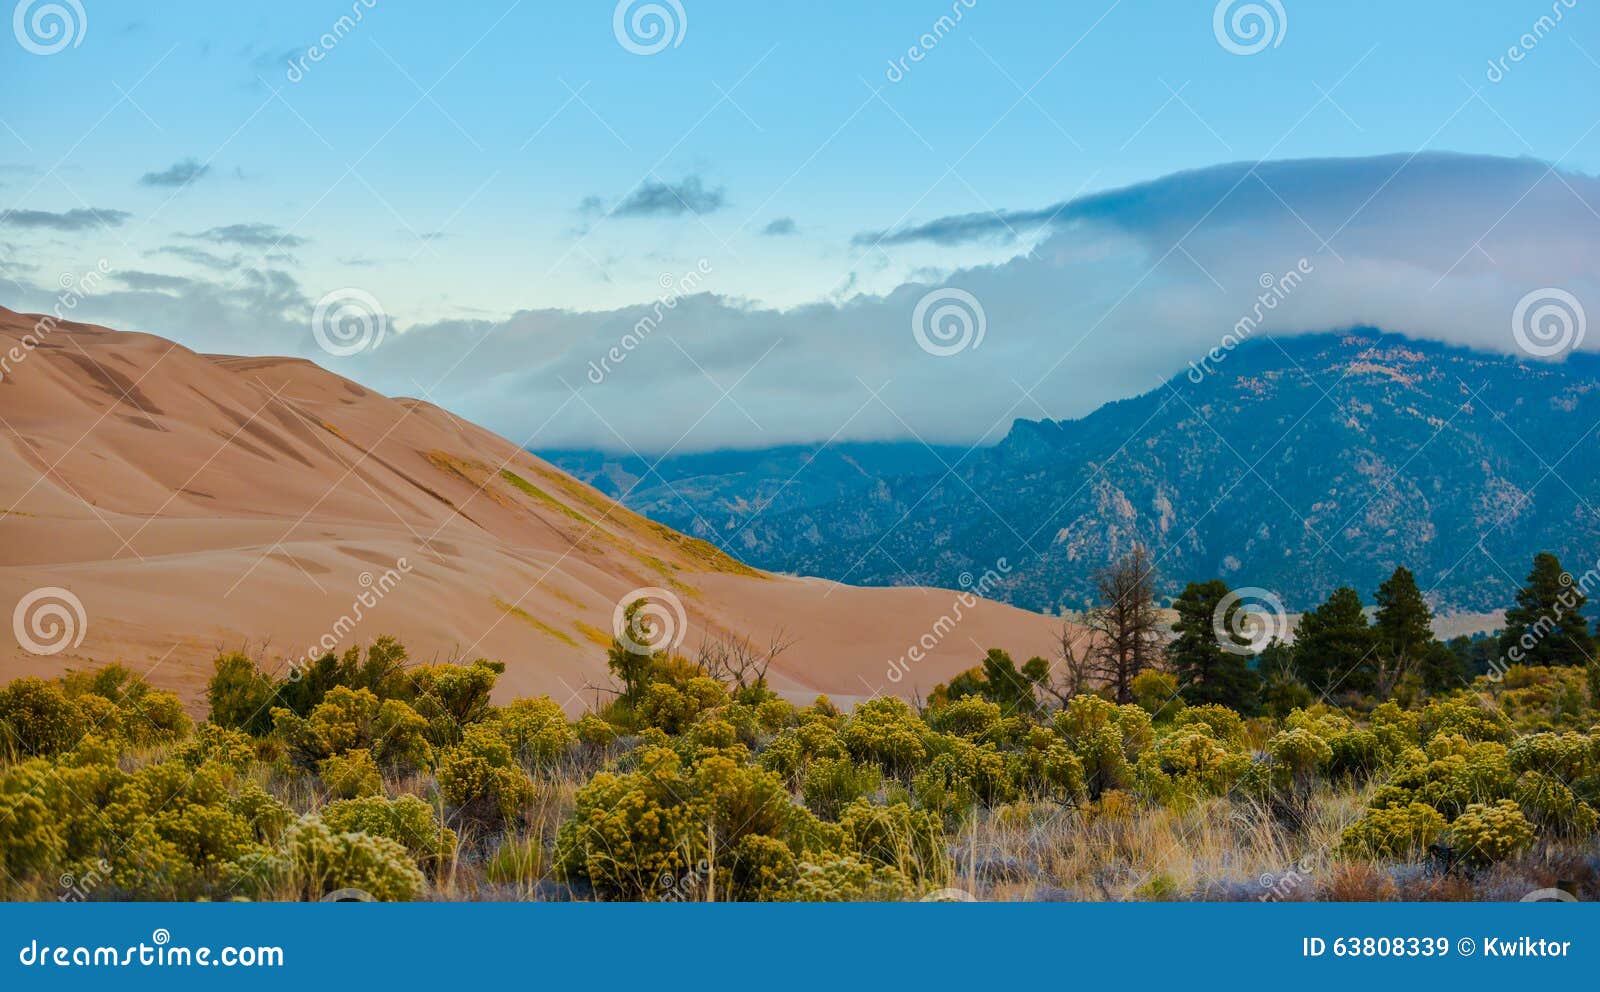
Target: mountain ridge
1296, 465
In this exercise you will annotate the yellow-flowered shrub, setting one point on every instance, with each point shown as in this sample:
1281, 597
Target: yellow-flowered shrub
1487, 834
481, 778
351, 774
37, 718
1393, 832
406, 820
537, 731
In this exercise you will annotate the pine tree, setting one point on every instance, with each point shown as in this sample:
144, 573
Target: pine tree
1547, 626
1207, 669
1333, 645
1403, 631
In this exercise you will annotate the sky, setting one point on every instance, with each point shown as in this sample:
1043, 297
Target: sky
673, 226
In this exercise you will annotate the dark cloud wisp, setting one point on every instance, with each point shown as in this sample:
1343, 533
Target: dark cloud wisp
79, 219
177, 174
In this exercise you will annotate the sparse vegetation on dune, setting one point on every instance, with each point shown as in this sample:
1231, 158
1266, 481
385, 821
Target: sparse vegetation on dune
696, 782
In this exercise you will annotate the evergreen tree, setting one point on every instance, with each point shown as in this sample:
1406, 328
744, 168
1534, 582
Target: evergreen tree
1333, 644
1402, 630
1210, 663
1547, 627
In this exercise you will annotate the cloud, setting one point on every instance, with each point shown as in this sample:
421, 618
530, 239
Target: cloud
1118, 293
250, 236
781, 227
199, 256
659, 199
80, 219
177, 174
154, 281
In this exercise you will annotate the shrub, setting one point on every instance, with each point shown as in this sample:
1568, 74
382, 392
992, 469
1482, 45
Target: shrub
241, 696
37, 718
406, 820
536, 730
230, 748
832, 783
451, 697
848, 878
1226, 726
316, 861
1393, 832
972, 717
1552, 806
1156, 692
762, 869
351, 774
1485, 835
907, 840
887, 733
481, 779
1297, 755
595, 732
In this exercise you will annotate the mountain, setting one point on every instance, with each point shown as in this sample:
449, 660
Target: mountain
1295, 465
713, 493
158, 506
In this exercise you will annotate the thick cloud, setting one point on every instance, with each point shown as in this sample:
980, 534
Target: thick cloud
1120, 290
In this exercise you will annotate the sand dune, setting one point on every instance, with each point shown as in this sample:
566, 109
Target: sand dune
194, 503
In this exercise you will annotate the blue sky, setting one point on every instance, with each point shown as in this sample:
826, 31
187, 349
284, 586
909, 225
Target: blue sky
470, 162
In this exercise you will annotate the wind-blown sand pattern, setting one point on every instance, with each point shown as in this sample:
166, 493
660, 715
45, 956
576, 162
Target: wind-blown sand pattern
196, 503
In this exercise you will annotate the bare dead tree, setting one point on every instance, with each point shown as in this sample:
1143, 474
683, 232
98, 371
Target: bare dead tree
737, 662
1126, 625
1075, 663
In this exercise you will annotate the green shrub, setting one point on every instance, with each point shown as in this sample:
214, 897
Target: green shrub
315, 861
351, 774
1488, 834
536, 730
481, 779
1552, 806
832, 783
241, 696
1397, 832
37, 718
406, 820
